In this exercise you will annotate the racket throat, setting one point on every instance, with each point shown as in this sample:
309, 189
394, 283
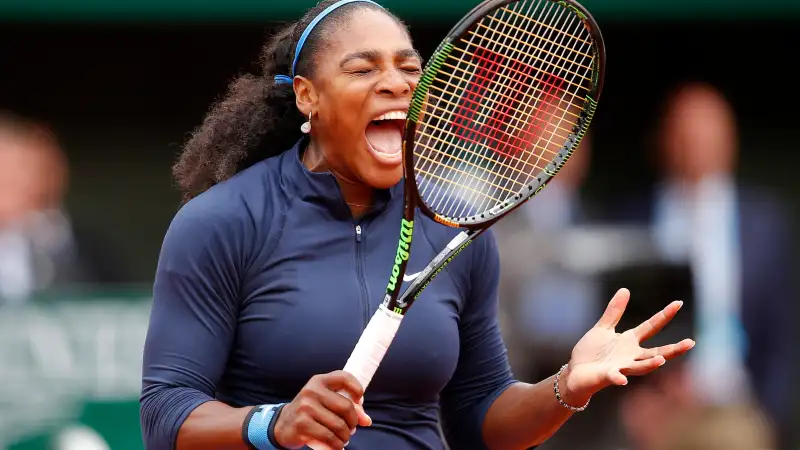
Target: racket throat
400, 262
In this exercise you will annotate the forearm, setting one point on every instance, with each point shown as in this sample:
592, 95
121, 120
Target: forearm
213, 425
525, 415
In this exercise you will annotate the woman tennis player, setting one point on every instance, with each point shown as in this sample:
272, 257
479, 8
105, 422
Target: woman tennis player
273, 267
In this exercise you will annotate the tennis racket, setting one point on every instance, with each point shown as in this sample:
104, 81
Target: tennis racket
501, 106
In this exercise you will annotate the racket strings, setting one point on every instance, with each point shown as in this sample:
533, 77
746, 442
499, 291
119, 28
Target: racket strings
564, 73
469, 69
527, 19
506, 179
553, 65
484, 114
534, 36
473, 49
472, 164
456, 169
516, 164
534, 57
466, 66
450, 181
525, 116
466, 167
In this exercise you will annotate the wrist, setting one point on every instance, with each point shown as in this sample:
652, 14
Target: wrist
566, 392
272, 432
258, 430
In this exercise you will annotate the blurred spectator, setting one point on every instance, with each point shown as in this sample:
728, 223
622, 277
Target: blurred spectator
735, 237
648, 407
39, 248
721, 428
667, 400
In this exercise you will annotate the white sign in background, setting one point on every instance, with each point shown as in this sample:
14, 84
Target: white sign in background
55, 357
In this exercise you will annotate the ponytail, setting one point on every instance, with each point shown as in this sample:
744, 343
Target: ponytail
232, 136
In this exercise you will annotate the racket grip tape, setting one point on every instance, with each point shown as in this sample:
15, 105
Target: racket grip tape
372, 345
369, 352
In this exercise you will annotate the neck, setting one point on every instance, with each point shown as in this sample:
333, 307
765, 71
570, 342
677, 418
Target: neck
357, 195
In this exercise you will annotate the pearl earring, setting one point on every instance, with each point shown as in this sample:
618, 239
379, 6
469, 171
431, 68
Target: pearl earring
306, 127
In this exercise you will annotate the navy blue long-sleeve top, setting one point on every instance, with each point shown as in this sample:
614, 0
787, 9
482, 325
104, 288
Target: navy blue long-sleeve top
266, 280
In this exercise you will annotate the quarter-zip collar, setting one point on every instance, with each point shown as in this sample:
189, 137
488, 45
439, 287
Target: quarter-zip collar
322, 187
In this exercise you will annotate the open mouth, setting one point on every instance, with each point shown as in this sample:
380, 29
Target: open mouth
385, 136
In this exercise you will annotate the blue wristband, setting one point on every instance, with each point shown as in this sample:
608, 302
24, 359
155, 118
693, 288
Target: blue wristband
258, 425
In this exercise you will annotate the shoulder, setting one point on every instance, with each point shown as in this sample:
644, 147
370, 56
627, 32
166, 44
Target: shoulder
234, 213
760, 200
485, 262
764, 214
254, 188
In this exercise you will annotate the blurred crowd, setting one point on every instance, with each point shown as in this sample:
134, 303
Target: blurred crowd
698, 234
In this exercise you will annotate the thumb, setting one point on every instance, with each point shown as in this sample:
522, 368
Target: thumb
364, 419
616, 378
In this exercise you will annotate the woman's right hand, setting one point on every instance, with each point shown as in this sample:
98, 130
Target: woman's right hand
320, 416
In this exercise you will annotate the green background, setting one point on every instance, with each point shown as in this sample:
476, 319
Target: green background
111, 420
254, 10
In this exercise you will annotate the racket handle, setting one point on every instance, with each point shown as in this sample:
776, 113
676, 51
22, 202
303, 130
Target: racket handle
369, 352
373, 344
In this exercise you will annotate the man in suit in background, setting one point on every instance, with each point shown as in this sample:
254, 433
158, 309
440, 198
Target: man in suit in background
40, 248
735, 238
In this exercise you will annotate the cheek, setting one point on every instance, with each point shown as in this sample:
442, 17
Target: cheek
344, 106
413, 82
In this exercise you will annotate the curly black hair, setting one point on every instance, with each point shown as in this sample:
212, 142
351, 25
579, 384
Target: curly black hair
257, 118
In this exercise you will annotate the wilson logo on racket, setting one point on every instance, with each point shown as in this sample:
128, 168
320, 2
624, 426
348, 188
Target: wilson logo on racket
498, 121
403, 247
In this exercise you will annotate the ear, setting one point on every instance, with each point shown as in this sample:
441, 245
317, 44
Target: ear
305, 95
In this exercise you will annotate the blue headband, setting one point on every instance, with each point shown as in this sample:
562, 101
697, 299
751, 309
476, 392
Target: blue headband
285, 79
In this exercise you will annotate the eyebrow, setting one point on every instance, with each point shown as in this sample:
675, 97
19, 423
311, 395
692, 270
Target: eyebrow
375, 55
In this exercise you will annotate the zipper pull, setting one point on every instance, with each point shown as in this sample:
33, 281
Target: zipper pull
358, 233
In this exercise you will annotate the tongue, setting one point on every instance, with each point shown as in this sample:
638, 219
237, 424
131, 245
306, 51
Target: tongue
384, 137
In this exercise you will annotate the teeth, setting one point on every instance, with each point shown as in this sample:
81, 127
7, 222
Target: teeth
393, 115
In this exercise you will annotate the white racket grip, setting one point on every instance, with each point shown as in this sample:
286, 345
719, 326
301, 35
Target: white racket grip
372, 345
369, 352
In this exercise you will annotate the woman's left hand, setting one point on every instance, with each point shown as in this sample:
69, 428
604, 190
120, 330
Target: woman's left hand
605, 358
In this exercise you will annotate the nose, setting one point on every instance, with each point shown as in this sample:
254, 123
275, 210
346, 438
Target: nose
393, 83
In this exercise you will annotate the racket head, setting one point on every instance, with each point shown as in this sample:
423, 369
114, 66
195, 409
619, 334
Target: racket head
501, 106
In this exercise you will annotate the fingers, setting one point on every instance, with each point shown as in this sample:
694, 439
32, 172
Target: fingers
335, 423
349, 387
643, 367
314, 423
653, 325
320, 416
343, 381
668, 351
340, 408
615, 309
318, 437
